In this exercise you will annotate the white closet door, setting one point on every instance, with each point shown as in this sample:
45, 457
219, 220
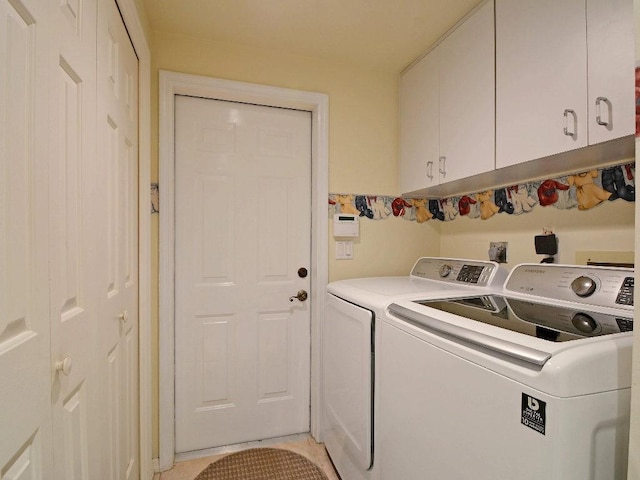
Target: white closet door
25, 368
73, 219
117, 249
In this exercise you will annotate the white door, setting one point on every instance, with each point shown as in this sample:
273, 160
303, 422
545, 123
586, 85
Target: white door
72, 220
117, 247
243, 208
25, 366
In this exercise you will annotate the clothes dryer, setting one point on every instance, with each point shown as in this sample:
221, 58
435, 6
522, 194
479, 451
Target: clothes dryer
349, 337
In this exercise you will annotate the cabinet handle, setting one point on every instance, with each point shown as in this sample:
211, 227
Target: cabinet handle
566, 122
442, 166
430, 170
599, 101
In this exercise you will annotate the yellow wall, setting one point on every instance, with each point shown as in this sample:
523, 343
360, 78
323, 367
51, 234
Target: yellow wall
607, 227
362, 145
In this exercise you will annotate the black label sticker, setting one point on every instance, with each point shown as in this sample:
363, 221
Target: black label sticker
534, 413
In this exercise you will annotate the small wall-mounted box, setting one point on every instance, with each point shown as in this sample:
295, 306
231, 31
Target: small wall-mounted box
346, 225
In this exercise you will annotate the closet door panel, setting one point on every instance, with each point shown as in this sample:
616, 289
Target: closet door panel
117, 126
25, 364
73, 217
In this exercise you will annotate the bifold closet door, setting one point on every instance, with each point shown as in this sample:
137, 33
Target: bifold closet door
25, 368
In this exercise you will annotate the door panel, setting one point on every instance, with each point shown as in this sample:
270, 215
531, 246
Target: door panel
71, 213
25, 368
242, 231
117, 191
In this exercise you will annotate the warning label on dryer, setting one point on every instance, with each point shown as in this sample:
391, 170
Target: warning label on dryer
534, 413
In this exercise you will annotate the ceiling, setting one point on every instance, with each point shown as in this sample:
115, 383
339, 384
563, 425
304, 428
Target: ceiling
378, 34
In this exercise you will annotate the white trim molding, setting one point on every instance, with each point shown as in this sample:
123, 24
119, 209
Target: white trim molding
132, 21
172, 84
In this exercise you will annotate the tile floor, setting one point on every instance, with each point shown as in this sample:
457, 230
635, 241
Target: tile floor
189, 468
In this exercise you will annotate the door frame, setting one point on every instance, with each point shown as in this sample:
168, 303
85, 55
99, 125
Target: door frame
134, 26
171, 84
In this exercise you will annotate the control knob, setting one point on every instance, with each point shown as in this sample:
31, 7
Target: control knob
584, 323
583, 286
445, 270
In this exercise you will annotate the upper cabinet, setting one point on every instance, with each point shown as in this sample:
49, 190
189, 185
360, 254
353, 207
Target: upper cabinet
447, 103
564, 76
420, 124
467, 97
611, 78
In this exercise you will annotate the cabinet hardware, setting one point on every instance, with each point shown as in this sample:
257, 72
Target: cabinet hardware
442, 168
599, 102
566, 122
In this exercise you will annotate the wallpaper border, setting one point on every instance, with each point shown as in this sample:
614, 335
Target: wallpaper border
579, 191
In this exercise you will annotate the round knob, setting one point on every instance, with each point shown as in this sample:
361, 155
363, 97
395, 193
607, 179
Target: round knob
124, 316
584, 323
583, 286
64, 366
445, 270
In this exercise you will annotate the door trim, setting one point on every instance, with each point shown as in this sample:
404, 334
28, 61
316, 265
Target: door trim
171, 84
136, 31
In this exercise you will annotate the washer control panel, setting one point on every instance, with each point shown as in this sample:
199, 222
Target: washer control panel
456, 271
602, 286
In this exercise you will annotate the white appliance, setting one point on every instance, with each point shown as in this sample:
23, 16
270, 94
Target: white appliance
530, 384
353, 309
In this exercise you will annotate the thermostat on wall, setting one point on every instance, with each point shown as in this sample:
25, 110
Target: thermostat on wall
346, 225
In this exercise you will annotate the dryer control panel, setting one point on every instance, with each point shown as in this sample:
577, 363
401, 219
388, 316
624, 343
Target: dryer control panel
457, 271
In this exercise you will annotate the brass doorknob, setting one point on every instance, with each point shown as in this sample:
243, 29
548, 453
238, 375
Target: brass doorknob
302, 296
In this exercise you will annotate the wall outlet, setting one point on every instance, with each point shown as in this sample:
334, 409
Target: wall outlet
498, 252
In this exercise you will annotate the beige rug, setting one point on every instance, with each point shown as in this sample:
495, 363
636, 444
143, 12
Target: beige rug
262, 464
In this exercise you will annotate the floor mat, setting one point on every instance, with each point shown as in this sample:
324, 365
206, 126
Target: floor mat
262, 464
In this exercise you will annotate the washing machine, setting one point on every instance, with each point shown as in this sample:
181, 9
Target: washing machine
349, 337
532, 383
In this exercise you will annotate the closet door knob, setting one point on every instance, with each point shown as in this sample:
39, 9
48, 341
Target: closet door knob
64, 366
124, 316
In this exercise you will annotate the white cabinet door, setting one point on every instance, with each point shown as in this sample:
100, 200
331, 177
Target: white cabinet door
467, 98
610, 44
420, 125
541, 84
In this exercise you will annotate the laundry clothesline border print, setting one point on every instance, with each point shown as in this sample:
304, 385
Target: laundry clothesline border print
582, 191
